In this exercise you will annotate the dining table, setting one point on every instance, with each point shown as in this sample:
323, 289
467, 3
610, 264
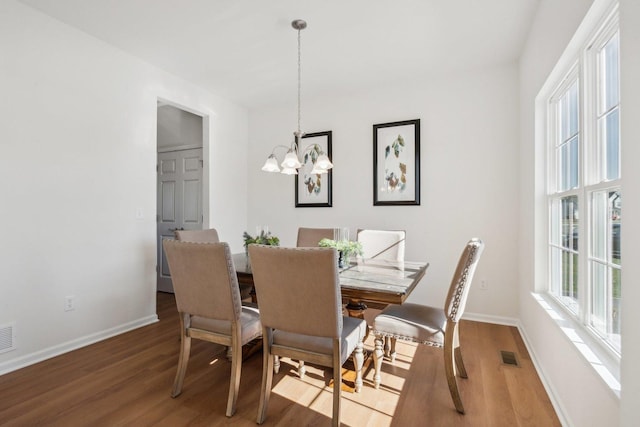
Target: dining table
364, 282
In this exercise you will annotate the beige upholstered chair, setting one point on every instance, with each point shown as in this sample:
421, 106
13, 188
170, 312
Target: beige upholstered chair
382, 244
309, 237
431, 325
208, 300
287, 279
198, 236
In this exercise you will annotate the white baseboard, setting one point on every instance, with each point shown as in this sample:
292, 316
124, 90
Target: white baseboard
498, 320
47, 353
510, 321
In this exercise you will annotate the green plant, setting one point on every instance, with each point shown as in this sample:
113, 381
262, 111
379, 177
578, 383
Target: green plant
262, 239
347, 247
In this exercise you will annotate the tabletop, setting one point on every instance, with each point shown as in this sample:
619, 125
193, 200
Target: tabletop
370, 280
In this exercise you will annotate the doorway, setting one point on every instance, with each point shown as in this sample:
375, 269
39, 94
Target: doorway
180, 164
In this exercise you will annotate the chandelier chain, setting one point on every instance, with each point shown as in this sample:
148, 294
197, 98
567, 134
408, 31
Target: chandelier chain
299, 80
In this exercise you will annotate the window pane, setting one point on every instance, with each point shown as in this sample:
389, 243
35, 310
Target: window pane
573, 163
564, 259
615, 213
569, 165
556, 221
570, 275
567, 149
598, 296
570, 222
610, 74
569, 112
616, 298
599, 225
605, 265
611, 139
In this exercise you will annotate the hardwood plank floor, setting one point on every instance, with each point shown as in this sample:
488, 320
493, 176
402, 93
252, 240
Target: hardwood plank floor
126, 381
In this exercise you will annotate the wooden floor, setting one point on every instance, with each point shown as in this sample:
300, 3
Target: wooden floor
126, 380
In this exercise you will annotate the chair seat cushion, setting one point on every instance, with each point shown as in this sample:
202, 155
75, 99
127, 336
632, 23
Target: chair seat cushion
412, 322
249, 319
353, 331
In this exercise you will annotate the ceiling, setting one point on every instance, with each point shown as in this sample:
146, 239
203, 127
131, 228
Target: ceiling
246, 50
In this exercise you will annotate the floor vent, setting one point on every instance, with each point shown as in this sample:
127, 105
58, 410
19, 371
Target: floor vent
509, 358
7, 337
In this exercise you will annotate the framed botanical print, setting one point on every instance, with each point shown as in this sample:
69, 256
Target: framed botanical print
313, 190
396, 163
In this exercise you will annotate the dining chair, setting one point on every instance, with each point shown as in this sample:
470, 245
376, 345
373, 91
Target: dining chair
309, 237
434, 326
382, 244
208, 300
287, 279
198, 236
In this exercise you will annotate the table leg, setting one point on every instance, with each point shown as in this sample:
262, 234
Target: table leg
356, 308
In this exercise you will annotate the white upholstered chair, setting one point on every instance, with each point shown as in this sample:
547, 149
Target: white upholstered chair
432, 326
382, 244
198, 236
287, 279
309, 237
208, 300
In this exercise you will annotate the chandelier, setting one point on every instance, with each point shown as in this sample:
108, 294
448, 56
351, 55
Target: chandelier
291, 162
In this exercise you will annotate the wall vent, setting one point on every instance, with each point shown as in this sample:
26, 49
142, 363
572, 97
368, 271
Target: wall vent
509, 358
7, 337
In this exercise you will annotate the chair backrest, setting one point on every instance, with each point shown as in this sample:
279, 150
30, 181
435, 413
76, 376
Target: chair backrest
382, 244
309, 237
461, 282
204, 279
198, 236
298, 289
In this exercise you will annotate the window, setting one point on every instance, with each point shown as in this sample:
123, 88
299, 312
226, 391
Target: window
584, 197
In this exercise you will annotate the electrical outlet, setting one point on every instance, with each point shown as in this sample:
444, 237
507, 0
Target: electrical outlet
484, 285
69, 303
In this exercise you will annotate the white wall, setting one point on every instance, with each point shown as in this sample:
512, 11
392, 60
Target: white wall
78, 138
469, 156
630, 134
584, 397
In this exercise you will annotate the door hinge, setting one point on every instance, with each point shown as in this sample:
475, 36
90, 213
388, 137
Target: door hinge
202, 163
157, 270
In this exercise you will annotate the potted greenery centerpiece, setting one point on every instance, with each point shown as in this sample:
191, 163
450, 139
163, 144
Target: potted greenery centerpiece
345, 249
264, 238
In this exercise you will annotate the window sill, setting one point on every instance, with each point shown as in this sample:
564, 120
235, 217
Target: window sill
602, 360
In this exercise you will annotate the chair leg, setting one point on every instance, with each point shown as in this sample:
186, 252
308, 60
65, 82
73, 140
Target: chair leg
449, 367
267, 379
276, 364
378, 354
337, 387
183, 361
301, 369
462, 372
390, 348
359, 362
457, 353
234, 382
392, 353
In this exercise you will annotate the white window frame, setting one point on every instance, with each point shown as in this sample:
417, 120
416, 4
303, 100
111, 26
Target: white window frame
581, 66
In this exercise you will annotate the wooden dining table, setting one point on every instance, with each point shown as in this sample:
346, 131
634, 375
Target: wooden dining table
364, 283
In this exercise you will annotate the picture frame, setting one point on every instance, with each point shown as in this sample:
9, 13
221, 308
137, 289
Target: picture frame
396, 163
314, 190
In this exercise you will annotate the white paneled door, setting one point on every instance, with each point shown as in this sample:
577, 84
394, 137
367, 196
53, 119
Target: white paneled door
179, 201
